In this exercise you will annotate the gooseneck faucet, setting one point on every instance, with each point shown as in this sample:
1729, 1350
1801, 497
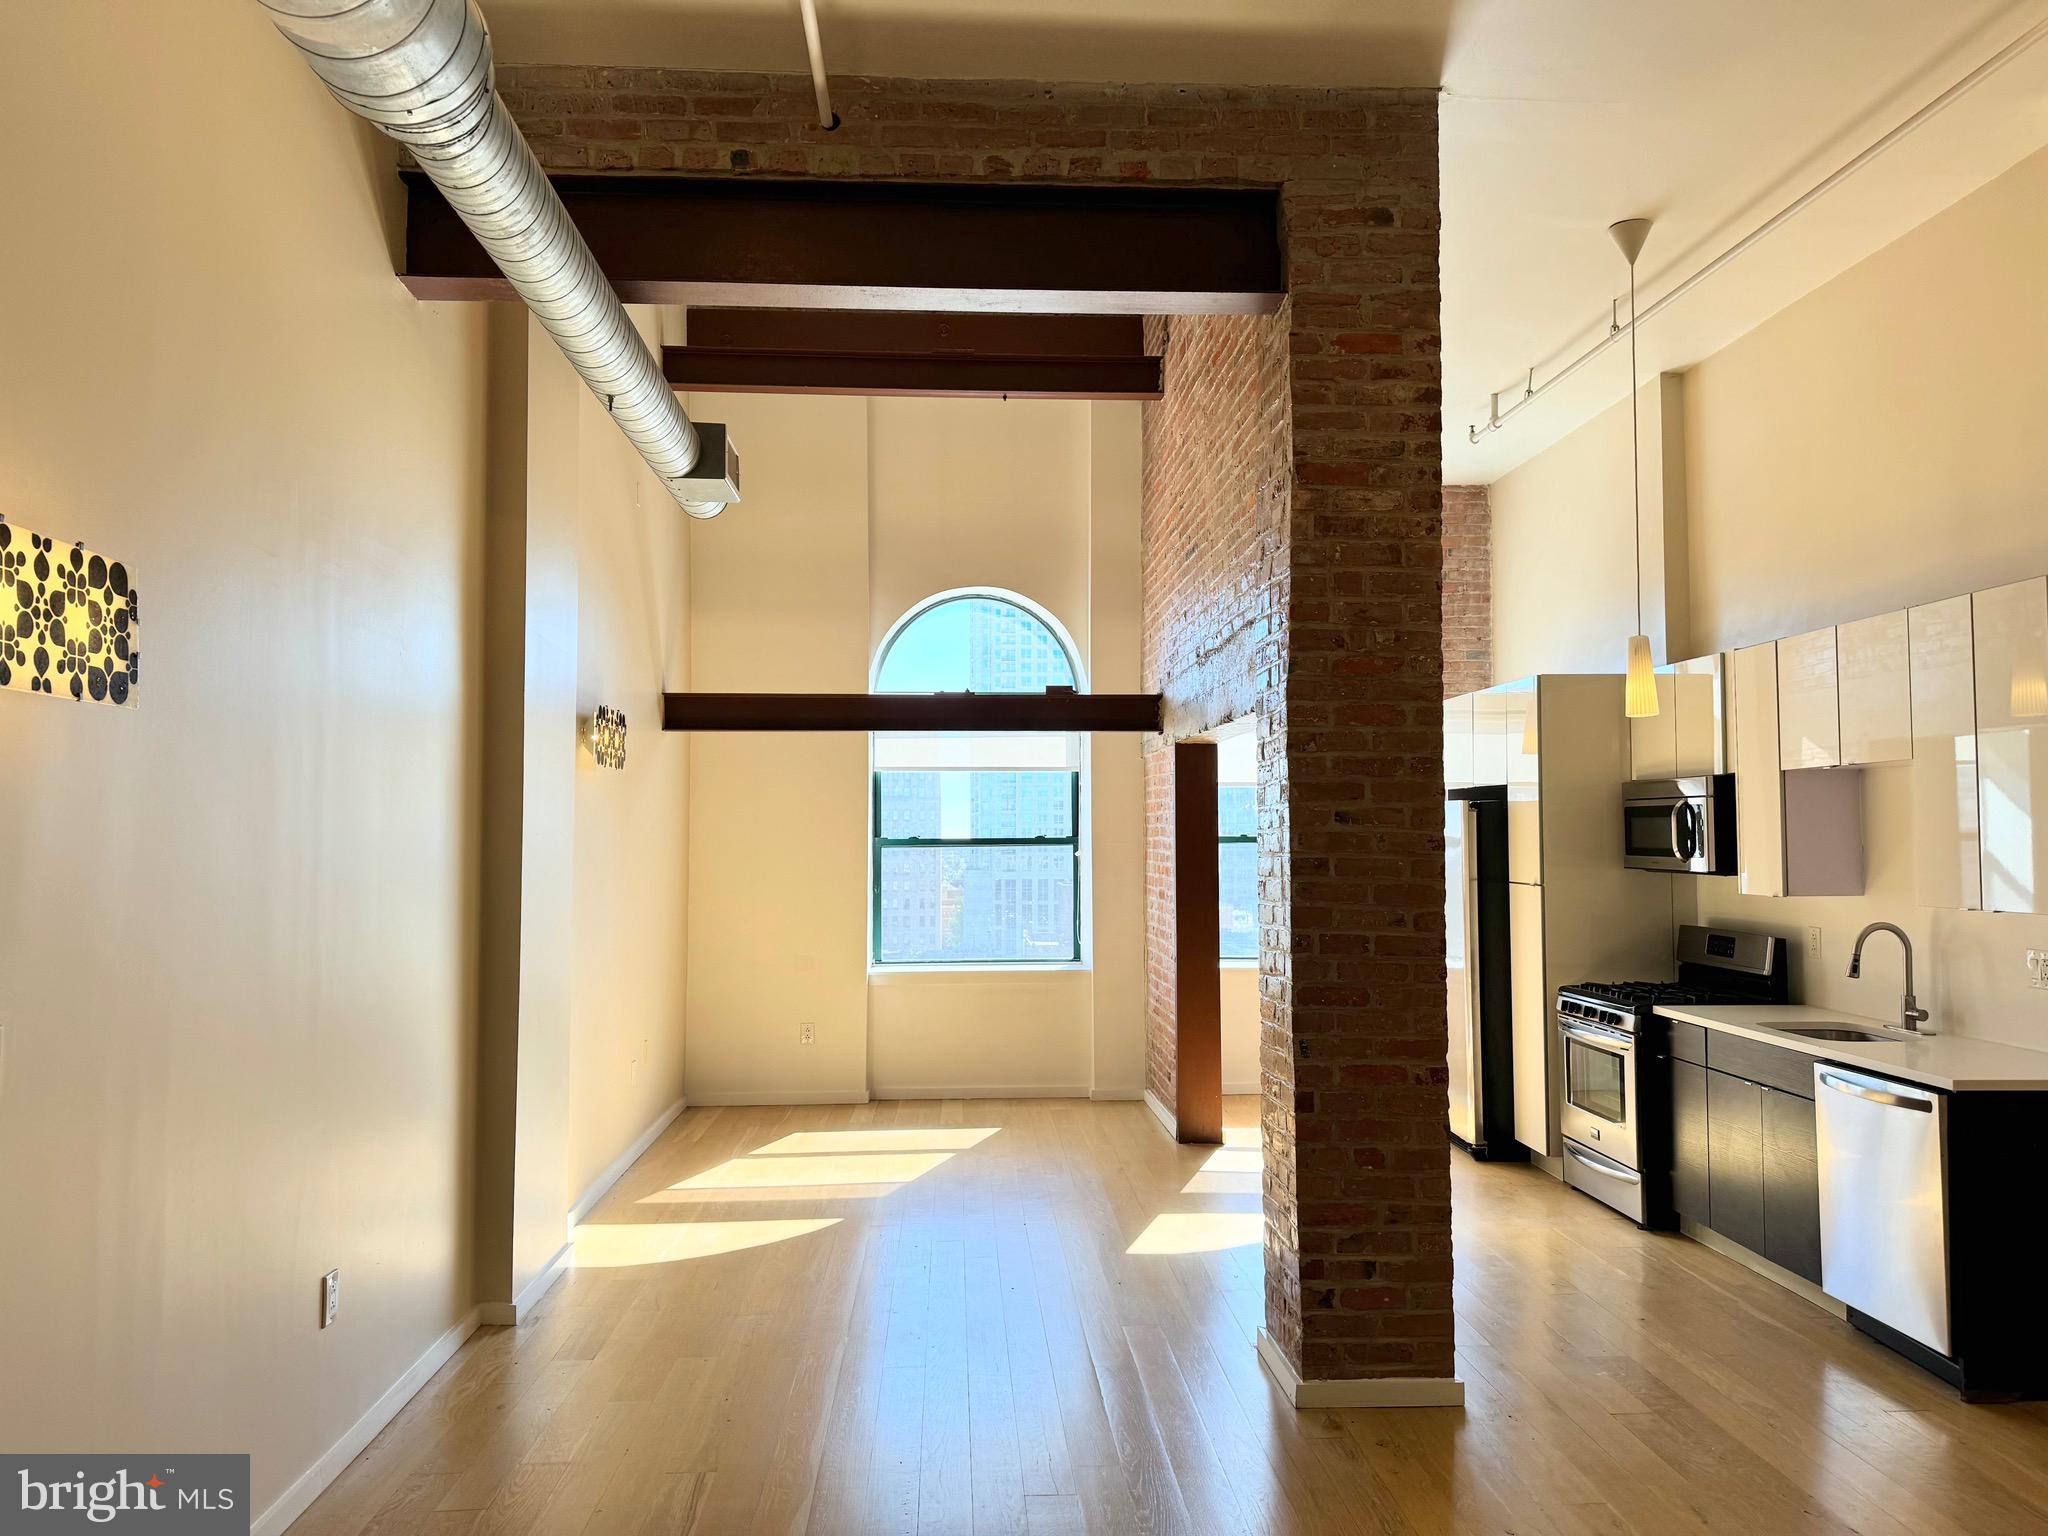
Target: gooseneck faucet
1911, 1014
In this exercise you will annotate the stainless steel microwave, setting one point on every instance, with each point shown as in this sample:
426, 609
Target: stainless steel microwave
1683, 825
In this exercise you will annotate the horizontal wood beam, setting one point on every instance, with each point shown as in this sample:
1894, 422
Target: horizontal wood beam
1052, 711
826, 244
748, 371
916, 333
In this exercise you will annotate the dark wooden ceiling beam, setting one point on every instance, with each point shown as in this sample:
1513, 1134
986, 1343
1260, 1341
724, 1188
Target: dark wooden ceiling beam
1054, 711
915, 333
748, 371
826, 244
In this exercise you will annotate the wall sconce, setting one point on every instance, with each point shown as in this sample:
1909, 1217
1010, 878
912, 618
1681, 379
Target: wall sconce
69, 621
608, 737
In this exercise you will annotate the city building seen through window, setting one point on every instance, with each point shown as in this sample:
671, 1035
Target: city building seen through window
976, 837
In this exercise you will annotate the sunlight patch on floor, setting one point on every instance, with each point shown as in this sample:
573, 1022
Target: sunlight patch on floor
625, 1244
1241, 1136
908, 1138
815, 1172
1228, 1171
1199, 1232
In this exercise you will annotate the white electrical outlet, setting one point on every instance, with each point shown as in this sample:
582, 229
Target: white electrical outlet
807, 1034
2037, 968
330, 1297
1814, 946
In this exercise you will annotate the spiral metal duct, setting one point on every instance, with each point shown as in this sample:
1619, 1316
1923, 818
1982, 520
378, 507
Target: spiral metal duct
421, 71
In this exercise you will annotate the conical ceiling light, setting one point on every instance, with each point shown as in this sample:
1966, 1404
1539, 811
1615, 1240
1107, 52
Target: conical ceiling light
1639, 697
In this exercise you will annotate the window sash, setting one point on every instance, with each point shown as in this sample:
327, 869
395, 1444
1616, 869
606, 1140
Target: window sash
1072, 841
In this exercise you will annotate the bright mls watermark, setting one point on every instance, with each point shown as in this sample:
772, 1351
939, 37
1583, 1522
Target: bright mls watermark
159, 1495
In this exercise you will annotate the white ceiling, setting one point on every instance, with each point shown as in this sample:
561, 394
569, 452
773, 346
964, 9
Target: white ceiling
1559, 117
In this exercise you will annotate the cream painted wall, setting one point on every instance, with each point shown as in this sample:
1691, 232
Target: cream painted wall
632, 826
239, 977
856, 510
1241, 1026
1563, 555
778, 831
1872, 446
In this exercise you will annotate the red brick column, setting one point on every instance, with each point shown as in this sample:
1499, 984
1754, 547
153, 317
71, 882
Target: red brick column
1468, 589
1292, 566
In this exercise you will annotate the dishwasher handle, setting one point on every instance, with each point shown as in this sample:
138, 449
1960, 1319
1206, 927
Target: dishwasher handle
1875, 1090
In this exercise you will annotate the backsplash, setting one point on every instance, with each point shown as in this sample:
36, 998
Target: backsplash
1970, 967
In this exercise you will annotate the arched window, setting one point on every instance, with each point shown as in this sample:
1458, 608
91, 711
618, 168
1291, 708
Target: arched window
977, 838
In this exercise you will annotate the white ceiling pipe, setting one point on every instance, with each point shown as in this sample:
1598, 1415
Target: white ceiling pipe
421, 71
827, 118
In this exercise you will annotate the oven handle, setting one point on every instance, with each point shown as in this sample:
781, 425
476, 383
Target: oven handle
1600, 1039
1599, 1164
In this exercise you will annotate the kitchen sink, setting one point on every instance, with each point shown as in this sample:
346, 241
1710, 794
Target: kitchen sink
1831, 1032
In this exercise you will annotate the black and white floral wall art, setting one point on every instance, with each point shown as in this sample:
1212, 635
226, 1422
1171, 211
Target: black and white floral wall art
70, 626
608, 737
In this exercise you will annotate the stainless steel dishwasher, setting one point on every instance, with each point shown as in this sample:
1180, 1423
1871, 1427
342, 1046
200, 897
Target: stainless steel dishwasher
1884, 1240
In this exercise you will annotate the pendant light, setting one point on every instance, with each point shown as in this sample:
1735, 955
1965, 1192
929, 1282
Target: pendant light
1639, 698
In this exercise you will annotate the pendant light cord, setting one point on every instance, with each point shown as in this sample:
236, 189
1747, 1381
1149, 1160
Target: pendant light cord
1635, 442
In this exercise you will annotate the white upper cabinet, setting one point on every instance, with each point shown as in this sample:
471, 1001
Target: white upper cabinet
1759, 795
1458, 742
1876, 690
2011, 633
1809, 712
1490, 736
1525, 810
1946, 870
1653, 739
1699, 732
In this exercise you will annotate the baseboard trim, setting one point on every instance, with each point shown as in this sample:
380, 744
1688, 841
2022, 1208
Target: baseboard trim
510, 1314
1162, 1114
1240, 1090
743, 1097
1116, 1095
1798, 1285
986, 1091
616, 1170
298, 1498
1365, 1392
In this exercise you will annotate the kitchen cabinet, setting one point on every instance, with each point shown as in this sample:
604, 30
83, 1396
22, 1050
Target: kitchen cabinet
2010, 627
1490, 736
1809, 708
1698, 712
1759, 796
1876, 692
1653, 739
1525, 781
1686, 738
1458, 742
1529, 982
1941, 653
1689, 1155
1735, 1159
1791, 1183
1797, 833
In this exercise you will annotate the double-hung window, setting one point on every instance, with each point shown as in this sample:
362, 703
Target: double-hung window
977, 837
1237, 852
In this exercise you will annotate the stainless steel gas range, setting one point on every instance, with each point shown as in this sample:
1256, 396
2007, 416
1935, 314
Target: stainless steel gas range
1616, 1112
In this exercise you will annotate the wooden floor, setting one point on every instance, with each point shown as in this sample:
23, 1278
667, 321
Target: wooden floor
1036, 1317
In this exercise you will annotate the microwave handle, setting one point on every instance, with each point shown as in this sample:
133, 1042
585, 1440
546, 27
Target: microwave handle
1678, 810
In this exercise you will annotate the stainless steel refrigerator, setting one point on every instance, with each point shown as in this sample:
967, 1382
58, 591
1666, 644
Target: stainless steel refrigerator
1481, 1005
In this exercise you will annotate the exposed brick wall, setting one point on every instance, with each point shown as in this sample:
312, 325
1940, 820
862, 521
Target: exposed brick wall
1215, 536
1468, 590
1294, 573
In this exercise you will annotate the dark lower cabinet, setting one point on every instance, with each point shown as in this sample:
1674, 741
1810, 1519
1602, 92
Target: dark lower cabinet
1791, 1184
1689, 1142
1735, 1159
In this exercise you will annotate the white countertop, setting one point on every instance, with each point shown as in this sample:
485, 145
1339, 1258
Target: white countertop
1938, 1061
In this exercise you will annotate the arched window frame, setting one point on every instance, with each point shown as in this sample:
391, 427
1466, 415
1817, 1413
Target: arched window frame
984, 752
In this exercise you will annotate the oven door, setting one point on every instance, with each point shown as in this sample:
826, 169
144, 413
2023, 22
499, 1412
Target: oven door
1666, 833
1600, 1090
